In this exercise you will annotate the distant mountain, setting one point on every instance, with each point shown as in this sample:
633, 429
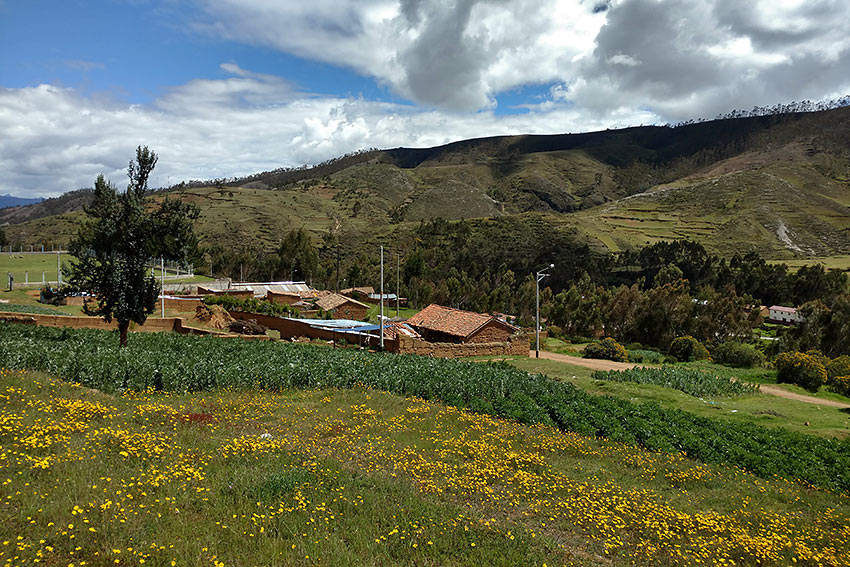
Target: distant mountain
10, 201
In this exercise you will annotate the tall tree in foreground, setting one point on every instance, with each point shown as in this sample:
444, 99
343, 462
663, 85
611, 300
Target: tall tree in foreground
113, 246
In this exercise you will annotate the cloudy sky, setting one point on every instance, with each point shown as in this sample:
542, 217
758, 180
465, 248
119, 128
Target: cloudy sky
220, 88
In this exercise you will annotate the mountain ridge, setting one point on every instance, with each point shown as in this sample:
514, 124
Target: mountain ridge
777, 184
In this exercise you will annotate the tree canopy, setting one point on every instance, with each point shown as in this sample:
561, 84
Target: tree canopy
113, 246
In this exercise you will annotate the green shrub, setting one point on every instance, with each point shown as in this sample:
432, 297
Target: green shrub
819, 356
688, 349
838, 367
634, 346
840, 385
801, 369
251, 305
555, 331
737, 355
606, 349
645, 356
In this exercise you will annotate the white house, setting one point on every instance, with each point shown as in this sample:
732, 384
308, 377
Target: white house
780, 314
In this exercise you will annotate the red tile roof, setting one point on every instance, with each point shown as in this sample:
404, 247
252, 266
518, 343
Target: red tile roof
451, 321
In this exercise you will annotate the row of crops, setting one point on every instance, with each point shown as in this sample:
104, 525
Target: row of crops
173, 362
692, 382
31, 309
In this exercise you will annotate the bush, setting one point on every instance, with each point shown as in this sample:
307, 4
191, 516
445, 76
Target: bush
738, 355
634, 346
838, 367
646, 356
688, 349
555, 331
801, 369
840, 385
606, 349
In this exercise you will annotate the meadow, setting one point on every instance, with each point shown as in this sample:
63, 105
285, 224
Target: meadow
195, 364
362, 477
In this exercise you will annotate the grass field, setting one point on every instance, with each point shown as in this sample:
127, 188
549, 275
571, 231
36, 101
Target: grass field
36, 264
360, 477
758, 409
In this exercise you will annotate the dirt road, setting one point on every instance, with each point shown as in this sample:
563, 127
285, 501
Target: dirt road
593, 363
597, 364
780, 393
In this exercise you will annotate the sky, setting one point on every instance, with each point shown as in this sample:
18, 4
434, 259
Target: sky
224, 88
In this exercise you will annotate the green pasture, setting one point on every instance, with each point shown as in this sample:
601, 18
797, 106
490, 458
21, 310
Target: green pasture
760, 409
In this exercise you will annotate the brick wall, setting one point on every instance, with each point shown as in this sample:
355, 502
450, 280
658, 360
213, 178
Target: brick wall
285, 298
294, 329
150, 326
492, 332
516, 345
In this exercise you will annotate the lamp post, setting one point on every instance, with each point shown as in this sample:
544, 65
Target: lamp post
539, 277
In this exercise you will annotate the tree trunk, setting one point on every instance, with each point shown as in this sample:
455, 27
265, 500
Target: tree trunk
123, 326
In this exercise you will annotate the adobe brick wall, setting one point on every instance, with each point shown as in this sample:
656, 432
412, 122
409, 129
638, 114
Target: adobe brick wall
350, 311
295, 329
182, 305
492, 332
516, 345
151, 325
285, 298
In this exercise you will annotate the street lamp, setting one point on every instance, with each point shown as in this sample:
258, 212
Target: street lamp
540, 275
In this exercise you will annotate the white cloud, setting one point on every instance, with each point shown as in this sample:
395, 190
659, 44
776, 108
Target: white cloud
448, 54
57, 140
613, 63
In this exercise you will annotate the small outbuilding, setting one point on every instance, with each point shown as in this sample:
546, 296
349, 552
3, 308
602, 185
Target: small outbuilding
342, 307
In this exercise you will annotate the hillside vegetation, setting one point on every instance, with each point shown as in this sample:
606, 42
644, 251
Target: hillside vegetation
775, 184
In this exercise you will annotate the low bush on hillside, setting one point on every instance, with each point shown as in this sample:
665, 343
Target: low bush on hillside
606, 349
186, 363
801, 369
251, 305
838, 367
692, 382
688, 349
840, 385
737, 355
645, 356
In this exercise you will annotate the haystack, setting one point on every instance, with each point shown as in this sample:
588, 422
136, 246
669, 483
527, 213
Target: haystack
214, 316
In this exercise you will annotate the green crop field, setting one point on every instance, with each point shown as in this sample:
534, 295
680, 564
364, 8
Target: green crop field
177, 363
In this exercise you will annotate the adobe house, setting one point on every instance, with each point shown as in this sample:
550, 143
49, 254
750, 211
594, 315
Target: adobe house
438, 324
360, 293
341, 307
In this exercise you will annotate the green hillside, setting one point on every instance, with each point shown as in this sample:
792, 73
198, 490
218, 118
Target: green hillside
774, 184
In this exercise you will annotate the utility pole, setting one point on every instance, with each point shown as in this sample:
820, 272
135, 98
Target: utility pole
162, 285
381, 321
59, 268
539, 276
397, 272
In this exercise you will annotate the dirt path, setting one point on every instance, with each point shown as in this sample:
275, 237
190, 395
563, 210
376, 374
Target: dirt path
610, 365
593, 363
780, 393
